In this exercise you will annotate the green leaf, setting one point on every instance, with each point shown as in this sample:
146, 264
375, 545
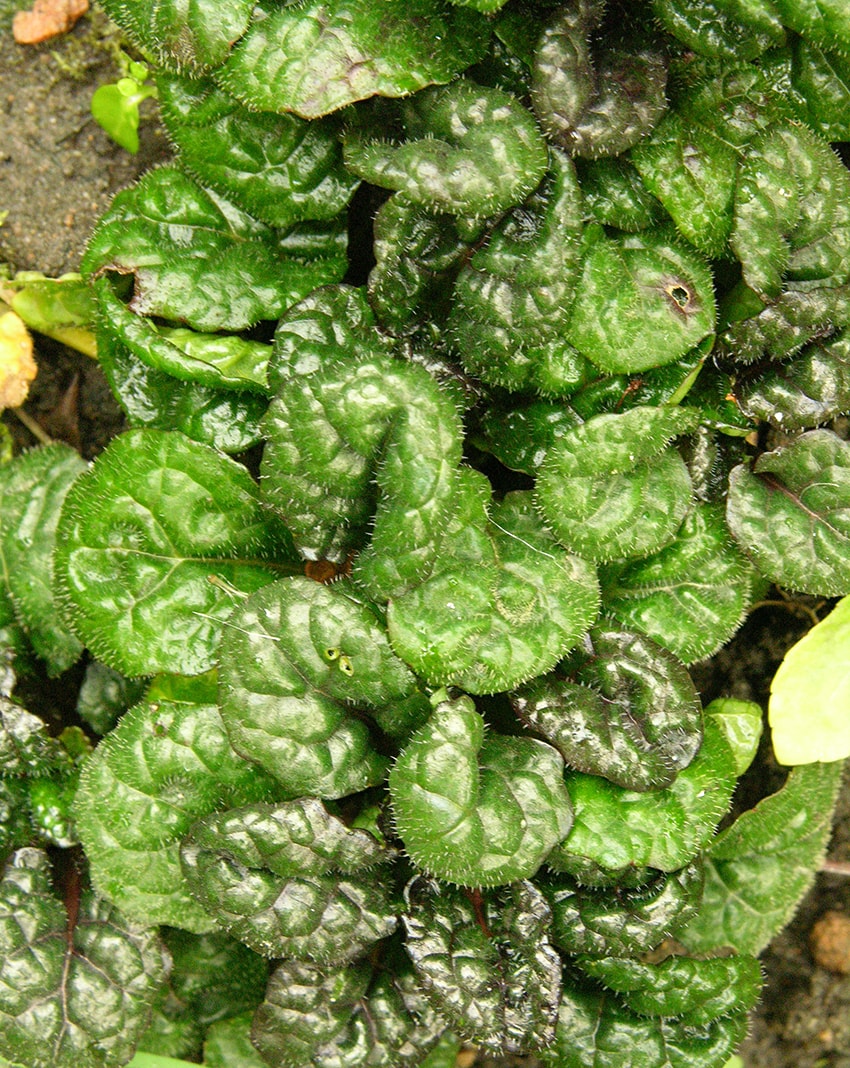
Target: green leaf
511, 300
790, 513
167, 764
594, 1030
344, 1018
594, 104
817, 83
485, 962
198, 259
290, 880
758, 870
731, 29
32, 489
197, 37
477, 812
827, 22
693, 989
154, 542
643, 301
26, 749
278, 168
317, 56
611, 488
15, 826
691, 596
520, 435
228, 1044
617, 830
615, 195
491, 621
105, 695
296, 659
224, 419
467, 150
75, 986
810, 691
621, 921
115, 107
619, 706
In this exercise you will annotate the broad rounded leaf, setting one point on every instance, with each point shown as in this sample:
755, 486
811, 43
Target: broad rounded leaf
594, 105
485, 962
317, 56
791, 513
643, 301
290, 880
469, 151
620, 706
477, 812
731, 29
167, 764
152, 542
615, 195
612, 489
296, 659
75, 990
826, 22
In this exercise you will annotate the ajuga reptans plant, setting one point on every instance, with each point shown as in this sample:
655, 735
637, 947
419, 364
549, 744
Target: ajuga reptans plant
482, 361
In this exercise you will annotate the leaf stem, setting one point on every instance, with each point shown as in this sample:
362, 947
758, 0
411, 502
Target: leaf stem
836, 867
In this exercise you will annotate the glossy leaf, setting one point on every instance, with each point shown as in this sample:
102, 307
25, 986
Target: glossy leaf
486, 962
643, 301
621, 921
511, 300
26, 749
152, 541
279, 168
809, 693
105, 695
468, 151
344, 1018
691, 596
620, 707
826, 22
32, 489
198, 259
758, 869
732, 29
520, 435
693, 989
817, 82
593, 1029
616, 196
611, 487
296, 659
789, 513
594, 104
75, 987
227, 1044
618, 830
491, 620
290, 881
476, 811
166, 764
315, 57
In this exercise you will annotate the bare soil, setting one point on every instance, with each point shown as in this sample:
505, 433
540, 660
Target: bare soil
58, 172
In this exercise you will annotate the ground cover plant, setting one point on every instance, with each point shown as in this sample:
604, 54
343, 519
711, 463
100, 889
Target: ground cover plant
388, 738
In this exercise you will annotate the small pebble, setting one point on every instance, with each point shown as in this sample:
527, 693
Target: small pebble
829, 941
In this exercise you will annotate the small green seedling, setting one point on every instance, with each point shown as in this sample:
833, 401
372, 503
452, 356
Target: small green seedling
115, 106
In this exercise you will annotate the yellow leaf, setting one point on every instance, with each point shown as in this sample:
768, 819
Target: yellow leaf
17, 365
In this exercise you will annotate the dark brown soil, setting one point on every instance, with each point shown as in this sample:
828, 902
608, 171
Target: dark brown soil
58, 172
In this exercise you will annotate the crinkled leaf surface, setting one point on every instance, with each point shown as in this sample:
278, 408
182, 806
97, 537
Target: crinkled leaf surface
469, 150
344, 1018
476, 811
26, 749
75, 986
290, 880
296, 660
810, 692
731, 29
151, 539
619, 706
491, 622
32, 489
595, 1031
618, 830
227, 1044
621, 921
643, 301
279, 168
594, 105
758, 869
791, 513
817, 82
316, 56
485, 962
615, 195
198, 259
824, 21
693, 989
692, 595
611, 488
167, 763
521, 434
105, 695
